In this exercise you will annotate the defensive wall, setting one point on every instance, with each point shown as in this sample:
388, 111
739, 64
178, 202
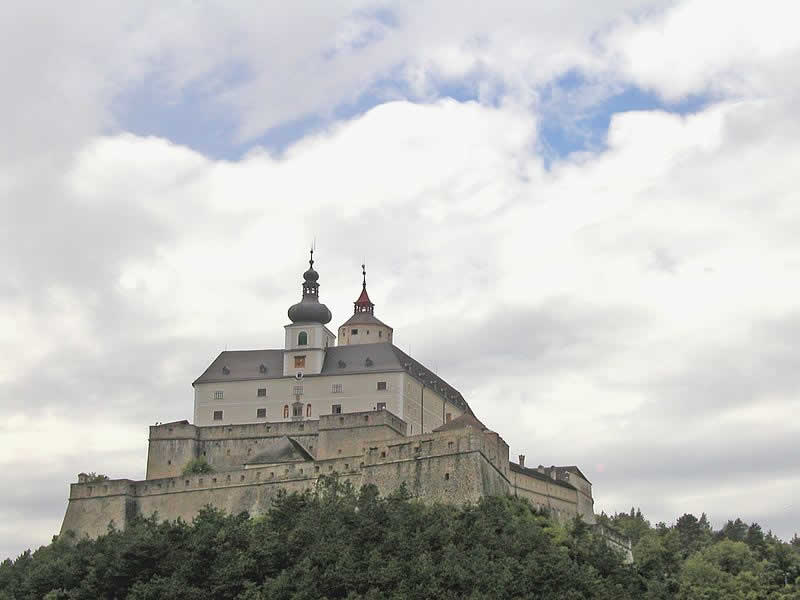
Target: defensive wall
250, 465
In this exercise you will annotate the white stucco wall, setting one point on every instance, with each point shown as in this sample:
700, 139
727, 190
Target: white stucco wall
240, 399
367, 334
435, 406
319, 339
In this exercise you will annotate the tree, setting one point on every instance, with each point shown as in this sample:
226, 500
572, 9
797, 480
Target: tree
693, 533
733, 530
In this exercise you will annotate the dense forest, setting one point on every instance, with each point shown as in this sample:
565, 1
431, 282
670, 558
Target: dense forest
337, 542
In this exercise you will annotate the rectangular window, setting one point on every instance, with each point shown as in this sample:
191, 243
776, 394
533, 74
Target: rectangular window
381, 405
218, 415
354, 332
262, 392
447, 417
299, 362
336, 388
261, 413
298, 390
382, 385
218, 395
336, 409
297, 410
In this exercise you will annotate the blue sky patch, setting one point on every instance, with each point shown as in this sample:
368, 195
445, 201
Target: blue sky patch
574, 112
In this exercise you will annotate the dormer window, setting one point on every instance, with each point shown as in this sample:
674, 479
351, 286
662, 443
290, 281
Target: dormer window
262, 369
226, 371
302, 339
368, 362
342, 364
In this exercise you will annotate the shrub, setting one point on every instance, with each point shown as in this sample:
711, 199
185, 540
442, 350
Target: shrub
197, 466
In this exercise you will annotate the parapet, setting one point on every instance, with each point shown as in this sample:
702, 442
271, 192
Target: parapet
184, 430
369, 418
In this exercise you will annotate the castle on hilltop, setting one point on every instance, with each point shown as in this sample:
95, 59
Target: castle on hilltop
356, 406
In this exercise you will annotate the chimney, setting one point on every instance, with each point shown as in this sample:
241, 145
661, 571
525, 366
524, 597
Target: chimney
521, 460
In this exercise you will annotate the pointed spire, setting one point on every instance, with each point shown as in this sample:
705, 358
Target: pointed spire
363, 304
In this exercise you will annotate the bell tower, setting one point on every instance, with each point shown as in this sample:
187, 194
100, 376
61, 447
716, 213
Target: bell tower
307, 338
364, 327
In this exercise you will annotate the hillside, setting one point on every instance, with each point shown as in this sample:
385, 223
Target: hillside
339, 543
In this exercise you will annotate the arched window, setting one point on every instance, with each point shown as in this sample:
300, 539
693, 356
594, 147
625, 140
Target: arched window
308, 410
285, 411
302, 339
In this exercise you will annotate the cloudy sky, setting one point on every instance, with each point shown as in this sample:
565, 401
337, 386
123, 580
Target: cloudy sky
584, 215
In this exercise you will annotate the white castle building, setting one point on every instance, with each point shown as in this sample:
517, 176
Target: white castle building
361, 409
312, 375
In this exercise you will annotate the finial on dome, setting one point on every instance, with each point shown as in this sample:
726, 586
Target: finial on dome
309, 308
364, 273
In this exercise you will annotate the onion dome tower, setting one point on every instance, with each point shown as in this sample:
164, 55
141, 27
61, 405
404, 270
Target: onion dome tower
363, 327
310, 309
307, 338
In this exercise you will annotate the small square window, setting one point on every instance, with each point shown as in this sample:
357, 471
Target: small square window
262, 392
382, 385
336, 409
354, 332
381, 405
218, 395
299, 362
218, 415
336, 388
261, 413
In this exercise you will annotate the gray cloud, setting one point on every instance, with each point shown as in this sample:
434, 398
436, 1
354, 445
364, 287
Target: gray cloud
567, 305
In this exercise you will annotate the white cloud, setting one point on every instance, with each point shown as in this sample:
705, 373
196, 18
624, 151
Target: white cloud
628, 309
701, 46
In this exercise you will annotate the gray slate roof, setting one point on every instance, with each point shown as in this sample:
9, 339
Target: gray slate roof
541, 476
364, 318
464, 421
243, 365
285, 449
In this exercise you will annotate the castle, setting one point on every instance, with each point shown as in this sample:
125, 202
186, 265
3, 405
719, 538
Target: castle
270, 420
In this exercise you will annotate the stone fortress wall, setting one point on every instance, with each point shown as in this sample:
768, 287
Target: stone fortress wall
456, 466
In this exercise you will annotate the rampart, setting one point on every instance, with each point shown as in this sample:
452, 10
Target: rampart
252, 462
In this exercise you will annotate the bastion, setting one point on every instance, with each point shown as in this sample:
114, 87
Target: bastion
457, 463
